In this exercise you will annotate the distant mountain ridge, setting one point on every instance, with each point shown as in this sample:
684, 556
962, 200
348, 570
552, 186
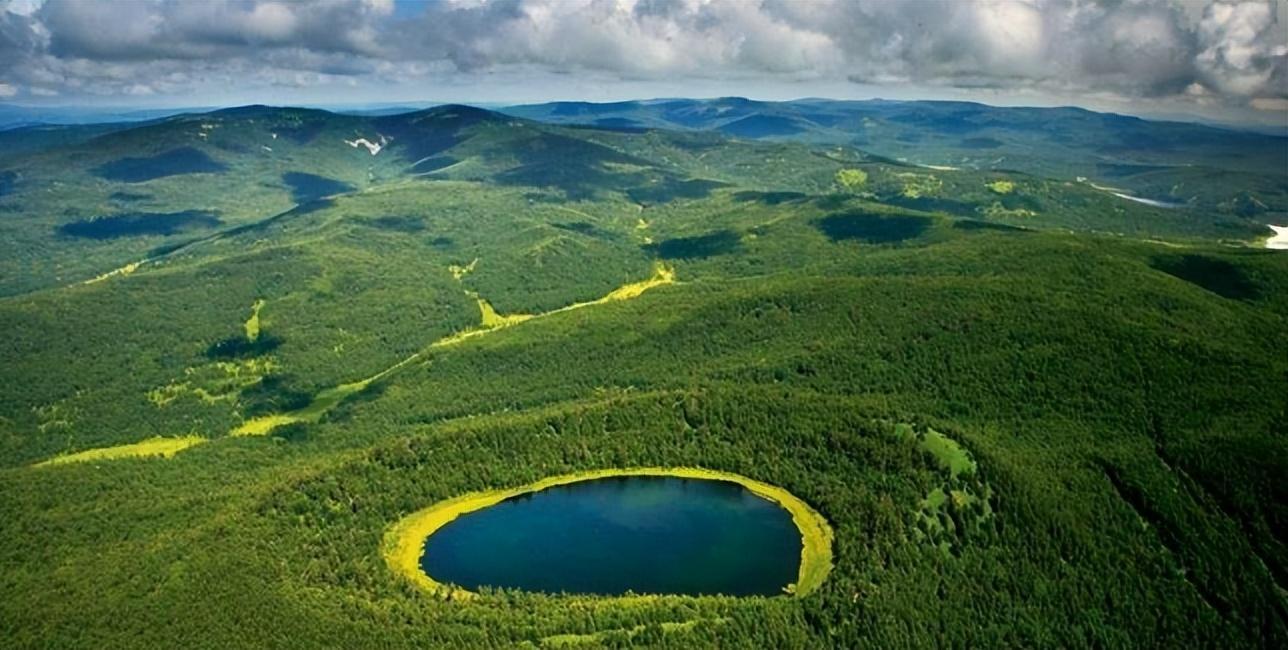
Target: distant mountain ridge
14, 116
1164, 161
242, 165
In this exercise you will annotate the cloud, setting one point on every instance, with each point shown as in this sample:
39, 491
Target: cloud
1245, 50
1132, 48
144, 30
20, 7
1232, 52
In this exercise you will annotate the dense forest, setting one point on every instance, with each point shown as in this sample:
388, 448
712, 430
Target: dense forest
490, 301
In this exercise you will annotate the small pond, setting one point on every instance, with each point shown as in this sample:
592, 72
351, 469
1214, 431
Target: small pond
642, 534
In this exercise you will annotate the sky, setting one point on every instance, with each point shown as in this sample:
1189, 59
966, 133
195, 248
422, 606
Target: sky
1224, 60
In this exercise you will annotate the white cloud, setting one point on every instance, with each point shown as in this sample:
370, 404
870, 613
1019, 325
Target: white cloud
1244, 48
21, 7
1234, 51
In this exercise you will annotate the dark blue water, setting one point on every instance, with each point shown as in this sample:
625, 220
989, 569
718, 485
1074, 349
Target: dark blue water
647, 535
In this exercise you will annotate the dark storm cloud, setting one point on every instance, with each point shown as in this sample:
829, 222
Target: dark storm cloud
150, 30
18, 40
1220, 51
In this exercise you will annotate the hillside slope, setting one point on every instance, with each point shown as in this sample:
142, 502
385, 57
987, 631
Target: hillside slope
1029, 422
76, 209
1226, 171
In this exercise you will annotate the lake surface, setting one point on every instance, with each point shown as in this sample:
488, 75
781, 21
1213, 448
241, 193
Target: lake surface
645, 534
1150, 202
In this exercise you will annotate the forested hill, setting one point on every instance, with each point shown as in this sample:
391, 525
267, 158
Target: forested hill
242, 346
80, 201
1237, 171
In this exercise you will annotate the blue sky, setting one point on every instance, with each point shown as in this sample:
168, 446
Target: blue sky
1218, 59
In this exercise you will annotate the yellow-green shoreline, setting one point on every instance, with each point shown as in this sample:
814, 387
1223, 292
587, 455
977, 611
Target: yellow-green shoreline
404, 542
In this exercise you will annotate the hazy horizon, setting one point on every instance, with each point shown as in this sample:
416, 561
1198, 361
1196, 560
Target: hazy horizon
55, 114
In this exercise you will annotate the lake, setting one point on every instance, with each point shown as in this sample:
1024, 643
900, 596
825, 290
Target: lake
642, 534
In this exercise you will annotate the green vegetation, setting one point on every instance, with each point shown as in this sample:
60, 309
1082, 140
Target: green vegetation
175, 162
916, 186
640, 633
252, 323
950, 455
82, 208
716, 243
851, 179
960, 507
156, 446
1215, 275
1001, 187
1233, 174
873, 228
489, 321
129, 225
217, 381
1054, 414
995, 211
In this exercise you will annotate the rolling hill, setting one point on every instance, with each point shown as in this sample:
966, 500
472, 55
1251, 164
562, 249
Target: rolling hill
1224, 170
242, 345
99, 198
